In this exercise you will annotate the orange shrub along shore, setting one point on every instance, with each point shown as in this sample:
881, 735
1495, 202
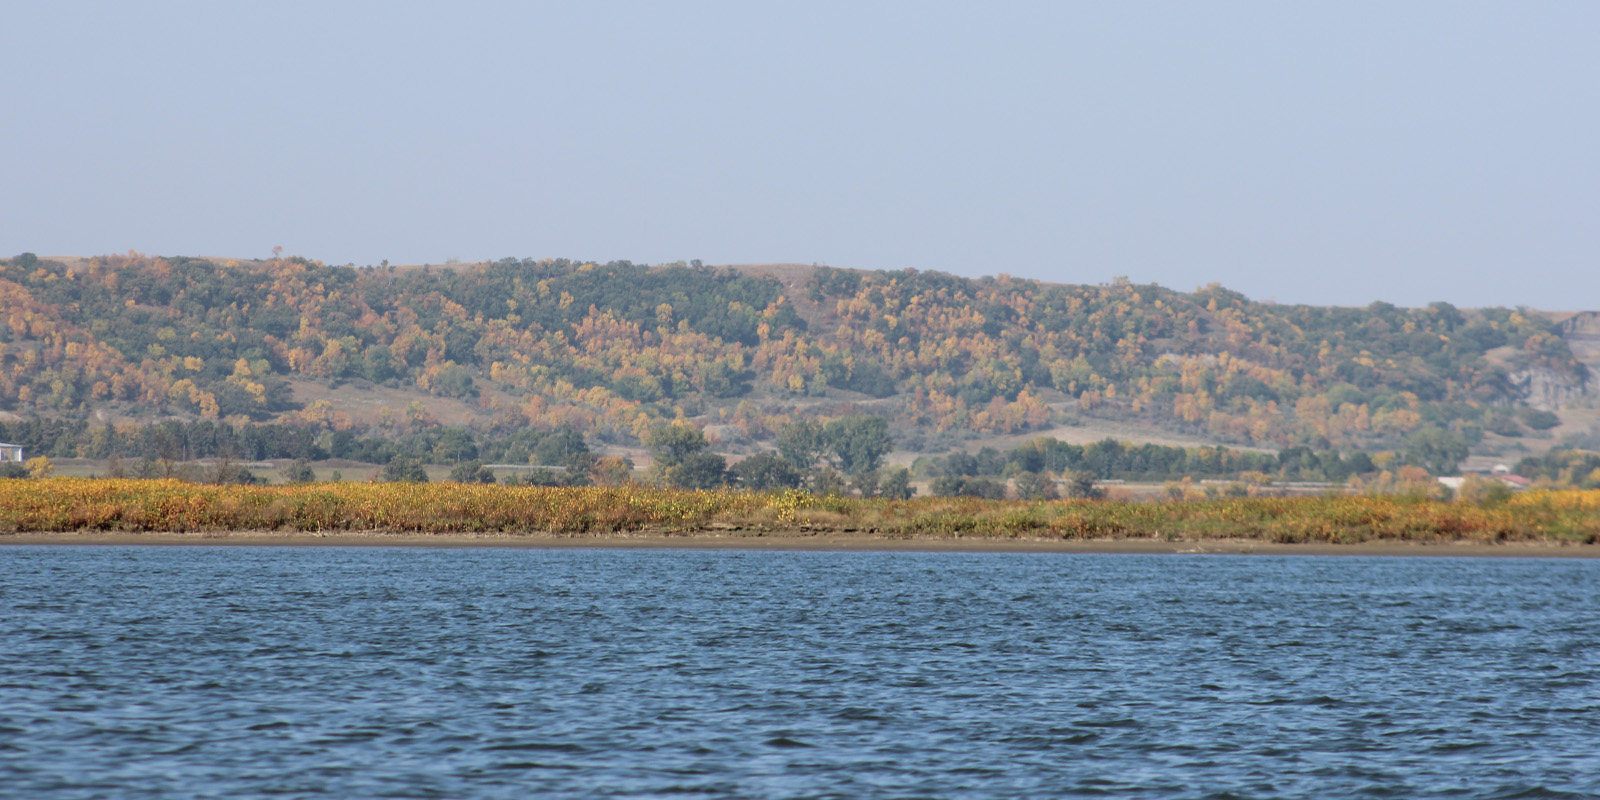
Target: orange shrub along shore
78, 504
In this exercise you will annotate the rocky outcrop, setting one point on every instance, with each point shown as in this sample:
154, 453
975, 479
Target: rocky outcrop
1582, 333
1549, 390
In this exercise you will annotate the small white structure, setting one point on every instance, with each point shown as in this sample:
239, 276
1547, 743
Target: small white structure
11, 452
1514, 481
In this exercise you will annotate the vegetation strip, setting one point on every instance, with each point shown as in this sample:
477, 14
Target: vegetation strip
69, 504
615, 349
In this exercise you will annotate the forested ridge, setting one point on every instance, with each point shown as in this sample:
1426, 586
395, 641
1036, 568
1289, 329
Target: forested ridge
613, 350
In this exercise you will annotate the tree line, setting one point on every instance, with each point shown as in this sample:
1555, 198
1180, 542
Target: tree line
618, 349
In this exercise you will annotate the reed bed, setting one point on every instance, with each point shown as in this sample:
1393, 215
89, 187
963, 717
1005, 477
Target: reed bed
115, 505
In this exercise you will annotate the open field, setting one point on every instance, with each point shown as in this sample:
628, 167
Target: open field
66, 505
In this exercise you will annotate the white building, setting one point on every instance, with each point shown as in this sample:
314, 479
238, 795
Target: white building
11, 452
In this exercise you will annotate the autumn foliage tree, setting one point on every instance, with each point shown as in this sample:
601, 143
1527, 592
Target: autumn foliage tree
613, 350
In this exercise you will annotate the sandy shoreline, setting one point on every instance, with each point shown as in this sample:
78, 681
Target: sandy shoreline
800, 540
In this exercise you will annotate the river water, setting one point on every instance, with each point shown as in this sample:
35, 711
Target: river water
391, 672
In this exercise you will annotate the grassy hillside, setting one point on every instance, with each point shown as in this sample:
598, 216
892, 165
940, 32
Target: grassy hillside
612, 349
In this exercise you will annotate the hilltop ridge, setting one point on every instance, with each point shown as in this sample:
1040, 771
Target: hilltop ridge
611, 349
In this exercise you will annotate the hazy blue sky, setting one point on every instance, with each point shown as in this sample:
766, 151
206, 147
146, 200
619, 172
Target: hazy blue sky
1331, 153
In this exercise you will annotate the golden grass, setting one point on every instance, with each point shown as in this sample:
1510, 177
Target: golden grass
76, 504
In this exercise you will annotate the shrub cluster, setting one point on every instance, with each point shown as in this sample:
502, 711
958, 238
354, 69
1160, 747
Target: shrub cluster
70, 504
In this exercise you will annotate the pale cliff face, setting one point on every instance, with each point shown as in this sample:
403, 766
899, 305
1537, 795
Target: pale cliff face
1582, 332
1548, 390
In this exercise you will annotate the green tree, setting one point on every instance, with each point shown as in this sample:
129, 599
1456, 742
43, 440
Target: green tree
564, 446
471, 472
826, 482
299, 471
546, 476
958, 486
699, 471
1539, 420
865, 483
1436, 450
403, 469
801, 443
1033, 486
858, 442
1502, 424
454, 445
1080, 485
765, 472
379, 363
580, 462
894, 483
683, 458
671, 445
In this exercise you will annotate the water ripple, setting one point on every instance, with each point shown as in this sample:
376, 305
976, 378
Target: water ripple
240, 672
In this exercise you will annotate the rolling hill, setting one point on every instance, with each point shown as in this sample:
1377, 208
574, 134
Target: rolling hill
612, 349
